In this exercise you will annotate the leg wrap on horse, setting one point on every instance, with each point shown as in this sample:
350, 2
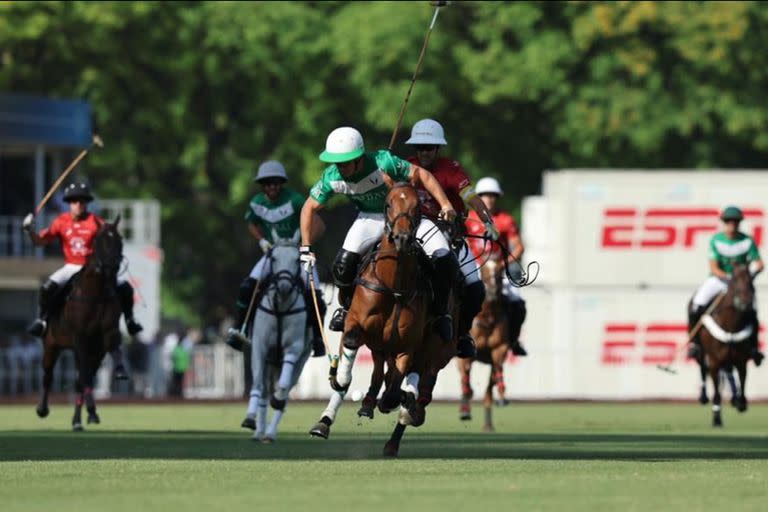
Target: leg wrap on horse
471, 304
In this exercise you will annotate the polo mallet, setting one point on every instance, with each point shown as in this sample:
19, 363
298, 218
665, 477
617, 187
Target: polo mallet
437, 5
96, 141
696, 328
250, 308
334, 359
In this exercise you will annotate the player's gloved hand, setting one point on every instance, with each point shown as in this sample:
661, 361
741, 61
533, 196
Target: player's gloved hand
265, 245
29, 220
491, 231
447, 214
307, 257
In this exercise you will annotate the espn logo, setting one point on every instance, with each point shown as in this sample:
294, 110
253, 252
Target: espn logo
652, 344
664, 228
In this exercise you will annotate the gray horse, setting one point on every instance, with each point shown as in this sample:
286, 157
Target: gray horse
280, 341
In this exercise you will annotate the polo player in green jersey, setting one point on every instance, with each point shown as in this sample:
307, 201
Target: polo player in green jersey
726, 249
358, 175
273, 211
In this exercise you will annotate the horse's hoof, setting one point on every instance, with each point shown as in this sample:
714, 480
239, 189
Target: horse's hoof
465, 416
249, 423
717, 421
741, 406
94, 418
488, 428
414, 410
366, 410
391, 449
42, 412
320, 430
77, 427
267, 440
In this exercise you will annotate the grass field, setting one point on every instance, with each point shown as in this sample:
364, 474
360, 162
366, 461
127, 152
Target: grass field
542, 457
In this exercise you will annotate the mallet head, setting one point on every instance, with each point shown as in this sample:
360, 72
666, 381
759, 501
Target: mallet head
97, 141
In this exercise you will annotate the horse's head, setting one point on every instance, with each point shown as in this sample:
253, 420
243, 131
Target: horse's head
402, 215
284, 260
491, 273
741, 291
107, 249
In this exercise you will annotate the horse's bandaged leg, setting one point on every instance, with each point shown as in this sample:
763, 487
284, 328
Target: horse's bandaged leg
272, 429
261, 418
344, 376
253, 403
333, 405
285, 380
412, 384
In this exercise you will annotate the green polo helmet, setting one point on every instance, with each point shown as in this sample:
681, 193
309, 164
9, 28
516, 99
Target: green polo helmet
342, 145
732, 213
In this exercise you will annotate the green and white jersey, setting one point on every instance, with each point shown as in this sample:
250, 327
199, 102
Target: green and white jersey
282, 214
741, 250
365, 188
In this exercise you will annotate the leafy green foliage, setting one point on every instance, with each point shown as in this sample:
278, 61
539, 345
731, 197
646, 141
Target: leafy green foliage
191, 96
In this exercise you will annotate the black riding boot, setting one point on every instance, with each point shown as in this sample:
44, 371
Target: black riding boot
47, 295
446, 271
318, 347
516, 311
344, 273
755, 353
695, 351
125, 293
471, 304
235, 337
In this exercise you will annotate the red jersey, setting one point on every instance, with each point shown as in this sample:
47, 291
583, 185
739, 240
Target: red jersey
76, 236
452, 177
504, 222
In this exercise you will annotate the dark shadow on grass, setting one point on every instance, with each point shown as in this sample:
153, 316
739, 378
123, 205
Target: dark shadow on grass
217, 445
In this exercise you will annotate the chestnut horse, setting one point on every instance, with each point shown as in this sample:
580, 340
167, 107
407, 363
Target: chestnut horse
88, 322
389, 311
491, 331
724, 337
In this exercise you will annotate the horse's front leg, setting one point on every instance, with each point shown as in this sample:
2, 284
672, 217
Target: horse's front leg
714, 373
77, 417
703, 371
50, 355
377, 380
92, 366
741, 404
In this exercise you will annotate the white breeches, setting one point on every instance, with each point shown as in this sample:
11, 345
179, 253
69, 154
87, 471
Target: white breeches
262, 268
65, 273
368, 228
708, 290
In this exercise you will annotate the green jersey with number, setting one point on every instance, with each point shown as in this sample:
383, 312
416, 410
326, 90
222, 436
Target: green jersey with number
741, 250
281, 215
365, 188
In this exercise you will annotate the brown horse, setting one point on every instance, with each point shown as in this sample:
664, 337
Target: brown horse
88, 322
491, 331
389, 311
724, 337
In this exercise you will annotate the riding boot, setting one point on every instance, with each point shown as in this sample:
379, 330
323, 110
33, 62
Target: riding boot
125, 294
119, 371
755, 353
237, 335
344, 273
446, 271
471, 304
516, 311
47, 296
695, 351
318, 347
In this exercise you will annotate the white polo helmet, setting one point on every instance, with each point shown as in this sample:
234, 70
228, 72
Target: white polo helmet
342, 145
488, 186
271, 169
427, 131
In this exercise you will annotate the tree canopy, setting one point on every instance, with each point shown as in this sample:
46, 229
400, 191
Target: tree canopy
191, 96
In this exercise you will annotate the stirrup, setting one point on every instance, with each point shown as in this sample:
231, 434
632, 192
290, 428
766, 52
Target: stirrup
337, 320
38, 328
236, 340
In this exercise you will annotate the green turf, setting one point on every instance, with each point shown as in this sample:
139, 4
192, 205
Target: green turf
542, 457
